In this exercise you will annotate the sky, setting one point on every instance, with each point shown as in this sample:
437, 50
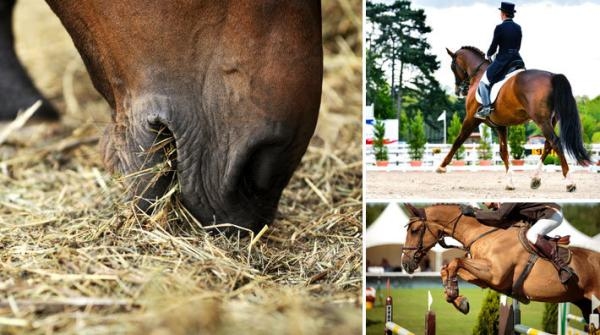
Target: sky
560, 37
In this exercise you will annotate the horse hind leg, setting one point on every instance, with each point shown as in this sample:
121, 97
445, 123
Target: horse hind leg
585, 305
551, 137
536, 179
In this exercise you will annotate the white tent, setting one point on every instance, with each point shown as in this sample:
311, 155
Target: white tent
388, 228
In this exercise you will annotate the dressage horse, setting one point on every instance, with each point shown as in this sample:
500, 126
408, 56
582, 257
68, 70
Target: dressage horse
541, 96
496, 260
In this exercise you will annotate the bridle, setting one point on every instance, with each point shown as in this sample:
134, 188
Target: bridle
463, 84
439, 237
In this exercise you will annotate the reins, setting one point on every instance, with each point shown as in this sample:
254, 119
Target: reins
465, 83
439, 238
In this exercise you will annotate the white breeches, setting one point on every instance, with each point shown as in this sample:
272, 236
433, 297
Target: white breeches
544, 226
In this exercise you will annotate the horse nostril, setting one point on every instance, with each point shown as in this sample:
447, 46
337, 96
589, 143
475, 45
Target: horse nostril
265, 169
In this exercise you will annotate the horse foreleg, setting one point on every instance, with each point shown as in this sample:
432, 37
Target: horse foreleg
476, 271
502, 132
467, 128
536, 180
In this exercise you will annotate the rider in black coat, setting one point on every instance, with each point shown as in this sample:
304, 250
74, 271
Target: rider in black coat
507, 37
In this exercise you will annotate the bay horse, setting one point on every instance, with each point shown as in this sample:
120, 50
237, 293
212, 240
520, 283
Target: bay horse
496, 260
541, 96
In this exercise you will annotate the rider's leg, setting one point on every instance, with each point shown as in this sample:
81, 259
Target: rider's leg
536, 236
484, 93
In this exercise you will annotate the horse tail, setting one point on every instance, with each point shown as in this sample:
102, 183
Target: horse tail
568, 115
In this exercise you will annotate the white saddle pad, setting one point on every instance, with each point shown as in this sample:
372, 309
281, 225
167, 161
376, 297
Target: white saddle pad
497, 86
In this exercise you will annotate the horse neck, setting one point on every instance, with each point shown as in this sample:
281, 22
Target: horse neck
465, 230
468, 229
472, 62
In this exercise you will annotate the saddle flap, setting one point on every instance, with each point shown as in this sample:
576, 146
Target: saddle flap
563, 250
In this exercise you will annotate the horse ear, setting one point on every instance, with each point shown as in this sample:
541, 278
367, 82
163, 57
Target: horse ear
450, 52
412, 209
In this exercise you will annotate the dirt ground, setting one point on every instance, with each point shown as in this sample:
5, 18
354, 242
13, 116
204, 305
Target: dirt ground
457, 185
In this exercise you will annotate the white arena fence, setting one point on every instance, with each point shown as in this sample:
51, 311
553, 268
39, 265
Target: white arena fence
399, 159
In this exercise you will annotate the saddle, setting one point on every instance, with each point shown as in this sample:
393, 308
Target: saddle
563, 251
514, 68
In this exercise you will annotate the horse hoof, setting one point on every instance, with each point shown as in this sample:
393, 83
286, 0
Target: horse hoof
535, 183
462, 304
571, 188
440, 169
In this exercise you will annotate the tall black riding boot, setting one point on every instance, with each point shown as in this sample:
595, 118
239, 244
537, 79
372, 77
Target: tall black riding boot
486, 105
549, 249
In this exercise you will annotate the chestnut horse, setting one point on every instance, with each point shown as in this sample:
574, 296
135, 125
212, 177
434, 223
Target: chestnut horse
497, 260
541, 96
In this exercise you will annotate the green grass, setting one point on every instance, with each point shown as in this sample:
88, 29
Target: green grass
410, 306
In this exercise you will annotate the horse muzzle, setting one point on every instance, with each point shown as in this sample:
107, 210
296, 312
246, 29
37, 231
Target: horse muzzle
409, 263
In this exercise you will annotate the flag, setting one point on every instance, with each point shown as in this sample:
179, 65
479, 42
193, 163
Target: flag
429, 300
442, 116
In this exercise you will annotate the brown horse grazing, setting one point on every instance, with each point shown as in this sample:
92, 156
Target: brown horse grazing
497, 260
237, 84
541, 96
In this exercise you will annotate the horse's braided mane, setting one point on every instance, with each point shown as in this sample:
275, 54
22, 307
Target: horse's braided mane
475, 50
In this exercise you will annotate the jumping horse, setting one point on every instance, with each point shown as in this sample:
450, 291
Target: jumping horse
541, 96
496, 260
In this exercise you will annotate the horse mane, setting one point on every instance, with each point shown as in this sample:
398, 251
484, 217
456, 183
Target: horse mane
474, 49
446, 204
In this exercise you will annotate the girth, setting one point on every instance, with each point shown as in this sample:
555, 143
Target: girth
517, 288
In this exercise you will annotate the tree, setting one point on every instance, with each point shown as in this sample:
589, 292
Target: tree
550, 317
404, 126
425, 94
378, 90
487, 320
400, 41
484, 149
416, 137
589, 111
516, 140
584, 217
453, 131
381, 152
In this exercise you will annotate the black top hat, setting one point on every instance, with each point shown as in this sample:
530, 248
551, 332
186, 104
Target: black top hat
507, 7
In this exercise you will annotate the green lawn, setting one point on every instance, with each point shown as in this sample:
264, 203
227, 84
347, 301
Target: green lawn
410, 306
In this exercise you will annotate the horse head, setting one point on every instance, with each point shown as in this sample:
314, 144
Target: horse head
461, 76
419, 238
426, 227
466, 63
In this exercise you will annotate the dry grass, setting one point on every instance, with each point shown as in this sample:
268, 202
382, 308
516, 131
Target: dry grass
75, 259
